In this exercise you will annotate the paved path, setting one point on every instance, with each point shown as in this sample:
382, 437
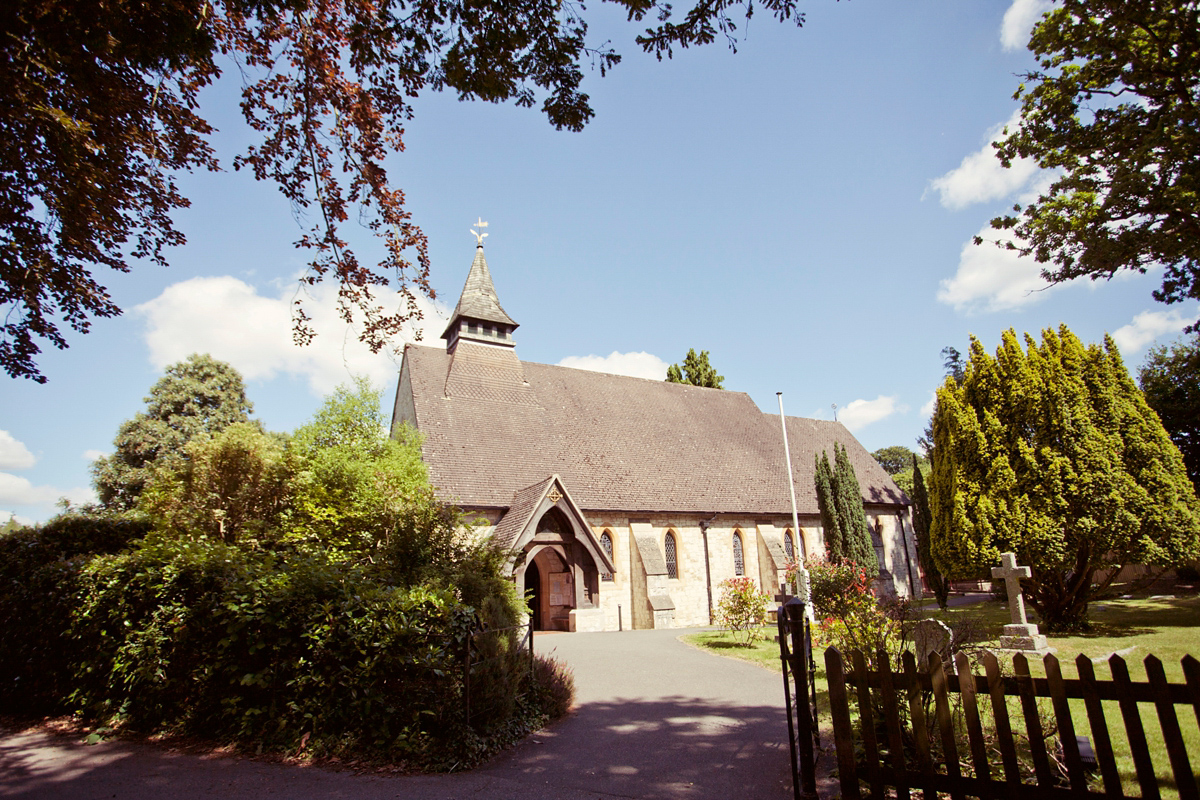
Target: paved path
655, 718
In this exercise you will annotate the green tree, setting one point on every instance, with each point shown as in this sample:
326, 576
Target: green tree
839, 499
954, 368
198, 396
835, 550
952, 362
894, 458
922, 521
856, 534
1051, 452
98, 114
695, 370
232, 485
1170, 379
355, 486
1113, 111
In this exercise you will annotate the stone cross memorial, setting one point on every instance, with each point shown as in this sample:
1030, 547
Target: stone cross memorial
1020, 634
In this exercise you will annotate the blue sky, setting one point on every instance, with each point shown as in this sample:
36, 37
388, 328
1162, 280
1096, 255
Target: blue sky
802, 209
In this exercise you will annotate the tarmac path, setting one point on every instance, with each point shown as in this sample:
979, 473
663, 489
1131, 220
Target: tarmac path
654, 718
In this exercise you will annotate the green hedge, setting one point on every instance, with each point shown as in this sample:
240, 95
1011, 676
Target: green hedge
196, 637
39, 587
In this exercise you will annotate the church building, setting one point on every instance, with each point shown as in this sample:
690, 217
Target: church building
625, 502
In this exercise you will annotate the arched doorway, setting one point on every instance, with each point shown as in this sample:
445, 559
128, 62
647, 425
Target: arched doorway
550, 577
533, 594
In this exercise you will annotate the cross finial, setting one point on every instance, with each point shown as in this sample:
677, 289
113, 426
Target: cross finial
478, 235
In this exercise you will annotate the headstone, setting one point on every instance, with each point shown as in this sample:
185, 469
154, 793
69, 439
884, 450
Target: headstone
1020, 634
931, 636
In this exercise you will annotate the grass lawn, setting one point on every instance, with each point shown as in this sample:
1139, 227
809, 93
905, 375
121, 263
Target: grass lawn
1165, 626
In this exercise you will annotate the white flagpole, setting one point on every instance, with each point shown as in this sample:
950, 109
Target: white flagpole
802, 590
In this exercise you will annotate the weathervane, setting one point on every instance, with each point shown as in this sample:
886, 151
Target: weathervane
479, 236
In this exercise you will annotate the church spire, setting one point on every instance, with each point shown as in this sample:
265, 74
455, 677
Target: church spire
479, 315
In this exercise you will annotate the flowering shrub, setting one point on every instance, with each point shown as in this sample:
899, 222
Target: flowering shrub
849, 617
742, 609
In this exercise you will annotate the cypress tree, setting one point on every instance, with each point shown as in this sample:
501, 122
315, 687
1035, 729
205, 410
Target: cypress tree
1050, 451
922, 519
823, 474
856, 536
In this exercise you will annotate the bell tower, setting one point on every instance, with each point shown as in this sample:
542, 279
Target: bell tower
479, 317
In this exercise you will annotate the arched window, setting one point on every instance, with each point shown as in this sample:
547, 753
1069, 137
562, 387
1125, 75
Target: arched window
739, 562
607, 543
789, 546
672, 562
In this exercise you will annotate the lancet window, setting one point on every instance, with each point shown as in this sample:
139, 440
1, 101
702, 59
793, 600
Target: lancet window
607, 543
669, 551
739, 561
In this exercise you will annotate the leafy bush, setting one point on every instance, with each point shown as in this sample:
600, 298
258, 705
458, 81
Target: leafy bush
849, 617
742, 609
311, 594
553, 685
39, 584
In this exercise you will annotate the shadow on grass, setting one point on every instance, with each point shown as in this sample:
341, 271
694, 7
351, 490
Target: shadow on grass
723, 644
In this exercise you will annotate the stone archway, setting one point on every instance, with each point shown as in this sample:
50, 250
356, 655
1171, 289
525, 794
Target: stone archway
534, 594
549, 573
557, 558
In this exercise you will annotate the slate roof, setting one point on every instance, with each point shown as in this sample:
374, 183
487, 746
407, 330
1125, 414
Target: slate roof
478, 299
618, 443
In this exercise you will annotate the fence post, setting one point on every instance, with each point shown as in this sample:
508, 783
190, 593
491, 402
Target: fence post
531, 661
801, 662
784, 657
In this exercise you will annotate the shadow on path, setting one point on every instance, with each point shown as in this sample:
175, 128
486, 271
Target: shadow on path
668, 747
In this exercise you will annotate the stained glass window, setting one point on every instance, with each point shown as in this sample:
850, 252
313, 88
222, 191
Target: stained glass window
739, 563
672, 564
789, 546
607, 543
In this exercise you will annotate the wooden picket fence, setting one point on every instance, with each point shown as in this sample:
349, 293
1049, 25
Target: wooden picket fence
901, 757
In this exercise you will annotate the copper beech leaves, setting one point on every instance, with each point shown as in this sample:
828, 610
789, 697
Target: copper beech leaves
99, 113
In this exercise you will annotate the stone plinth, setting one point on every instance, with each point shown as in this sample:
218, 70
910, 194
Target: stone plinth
1021, 634
586, 620
1024, 636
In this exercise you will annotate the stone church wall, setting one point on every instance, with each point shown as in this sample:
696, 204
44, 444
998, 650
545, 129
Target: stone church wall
899, 548
616, 595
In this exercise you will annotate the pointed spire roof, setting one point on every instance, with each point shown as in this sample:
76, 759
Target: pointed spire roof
479, 300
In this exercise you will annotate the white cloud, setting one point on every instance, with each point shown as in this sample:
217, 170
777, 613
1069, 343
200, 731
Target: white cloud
1019, 21
927, 409
981, 177
13, 453
230, 320
635, 365
92, 455
1148, 326
18, 491
861, 413
991, 278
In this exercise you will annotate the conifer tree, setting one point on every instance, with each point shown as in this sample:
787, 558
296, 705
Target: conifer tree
823, 475
1051, 452
922, 519
856, 535
839, 499
696, 370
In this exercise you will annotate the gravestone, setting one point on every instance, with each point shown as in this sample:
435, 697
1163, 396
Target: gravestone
932, 636
1020, 634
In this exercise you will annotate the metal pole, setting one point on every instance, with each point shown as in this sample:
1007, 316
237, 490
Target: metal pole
787, 457
620, 623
